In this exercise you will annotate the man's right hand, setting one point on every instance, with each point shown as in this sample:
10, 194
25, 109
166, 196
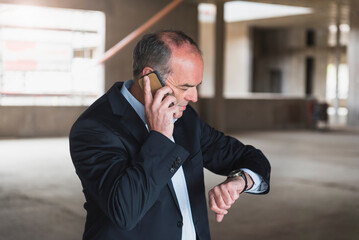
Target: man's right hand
159, 114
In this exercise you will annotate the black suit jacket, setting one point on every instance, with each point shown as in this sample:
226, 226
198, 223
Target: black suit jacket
126, 171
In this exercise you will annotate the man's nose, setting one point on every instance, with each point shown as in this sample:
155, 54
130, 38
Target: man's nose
192, 95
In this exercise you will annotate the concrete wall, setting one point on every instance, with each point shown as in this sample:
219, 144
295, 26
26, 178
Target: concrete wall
37, 121
122, 17
261, 113
284, 49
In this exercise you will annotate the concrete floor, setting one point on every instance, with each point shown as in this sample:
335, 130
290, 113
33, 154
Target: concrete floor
314, 195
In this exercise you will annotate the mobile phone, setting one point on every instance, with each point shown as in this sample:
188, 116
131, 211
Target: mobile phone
156, 81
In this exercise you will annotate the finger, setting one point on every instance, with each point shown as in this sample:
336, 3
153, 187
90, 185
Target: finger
233, 189
227, 199
214, 207
160, 94
218, 198
147, 91
219, 217
168, 100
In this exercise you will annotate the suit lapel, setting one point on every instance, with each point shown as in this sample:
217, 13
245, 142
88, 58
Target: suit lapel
128, 117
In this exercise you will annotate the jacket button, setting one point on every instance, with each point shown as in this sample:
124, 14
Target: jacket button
179, 224
178, 160
172, 170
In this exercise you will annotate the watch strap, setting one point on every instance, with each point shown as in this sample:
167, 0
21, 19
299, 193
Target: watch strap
239, 173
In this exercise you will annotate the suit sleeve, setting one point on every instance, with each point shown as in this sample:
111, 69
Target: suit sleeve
125, 189
222, 154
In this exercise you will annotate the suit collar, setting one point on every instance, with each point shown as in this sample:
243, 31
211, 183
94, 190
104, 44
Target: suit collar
126, 114
119, 104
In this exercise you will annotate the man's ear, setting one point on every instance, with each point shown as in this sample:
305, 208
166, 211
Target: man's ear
146, 71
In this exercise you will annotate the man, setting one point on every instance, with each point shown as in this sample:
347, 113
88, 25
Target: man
140, 157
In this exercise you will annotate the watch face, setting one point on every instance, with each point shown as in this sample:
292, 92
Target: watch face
235, 173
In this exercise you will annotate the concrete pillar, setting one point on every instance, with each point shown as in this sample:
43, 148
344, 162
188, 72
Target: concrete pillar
353, 62
238, 58
207, 43
219, 106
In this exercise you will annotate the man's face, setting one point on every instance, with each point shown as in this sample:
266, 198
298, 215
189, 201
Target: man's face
187, 73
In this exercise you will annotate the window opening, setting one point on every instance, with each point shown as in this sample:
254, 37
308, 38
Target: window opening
48, 55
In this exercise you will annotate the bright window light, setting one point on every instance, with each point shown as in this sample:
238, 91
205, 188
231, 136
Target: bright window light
331, 82
48, 55
236, 11
344, 34
343, 28
243, 11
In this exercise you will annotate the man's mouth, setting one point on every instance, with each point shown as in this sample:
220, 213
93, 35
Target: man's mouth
182, 105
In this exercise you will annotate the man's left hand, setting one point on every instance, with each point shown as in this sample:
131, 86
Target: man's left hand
222, 196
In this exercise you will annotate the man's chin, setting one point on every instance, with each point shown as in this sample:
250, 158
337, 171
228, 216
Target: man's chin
182, 108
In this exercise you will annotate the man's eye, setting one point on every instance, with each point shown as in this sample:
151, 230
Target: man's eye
183, 88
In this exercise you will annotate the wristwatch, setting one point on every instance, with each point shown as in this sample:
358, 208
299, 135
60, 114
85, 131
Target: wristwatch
239, 173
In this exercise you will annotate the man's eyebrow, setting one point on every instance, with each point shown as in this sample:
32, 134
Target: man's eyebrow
189, 85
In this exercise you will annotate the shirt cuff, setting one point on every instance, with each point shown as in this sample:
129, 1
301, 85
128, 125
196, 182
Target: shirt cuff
259, 185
